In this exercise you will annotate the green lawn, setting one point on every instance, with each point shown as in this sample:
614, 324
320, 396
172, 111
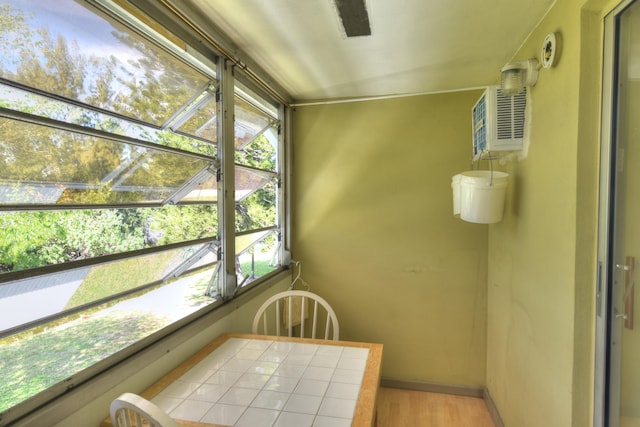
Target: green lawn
26, 365
108, 279
37, 359
261, 267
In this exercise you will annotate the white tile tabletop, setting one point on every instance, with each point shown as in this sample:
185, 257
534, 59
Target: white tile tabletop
266, 383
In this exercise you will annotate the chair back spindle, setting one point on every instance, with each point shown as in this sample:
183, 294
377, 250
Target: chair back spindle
296, 309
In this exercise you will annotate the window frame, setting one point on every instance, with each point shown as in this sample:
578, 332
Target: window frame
162, 16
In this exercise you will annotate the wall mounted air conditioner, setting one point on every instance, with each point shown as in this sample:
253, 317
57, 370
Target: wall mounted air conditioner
498, 122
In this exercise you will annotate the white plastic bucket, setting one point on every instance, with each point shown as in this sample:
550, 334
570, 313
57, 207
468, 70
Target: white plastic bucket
455, 186
482, 195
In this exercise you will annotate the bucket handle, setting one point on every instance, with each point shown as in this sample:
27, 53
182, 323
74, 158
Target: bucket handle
490, 158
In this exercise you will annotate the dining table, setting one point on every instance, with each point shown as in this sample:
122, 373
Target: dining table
248, 380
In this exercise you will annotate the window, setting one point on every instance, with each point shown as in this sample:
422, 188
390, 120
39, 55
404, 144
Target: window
113, 164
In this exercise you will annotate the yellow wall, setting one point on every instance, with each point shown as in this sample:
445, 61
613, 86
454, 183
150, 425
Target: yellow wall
532, 252
541, 285
373, 227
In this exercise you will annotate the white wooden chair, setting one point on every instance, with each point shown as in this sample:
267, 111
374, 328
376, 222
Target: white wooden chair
129, 410
303, 310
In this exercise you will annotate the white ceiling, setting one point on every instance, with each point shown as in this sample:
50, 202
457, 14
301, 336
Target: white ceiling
416, 46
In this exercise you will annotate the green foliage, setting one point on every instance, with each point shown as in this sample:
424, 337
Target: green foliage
33, 239
36, 238
63, 70
259, 154
151, 87
13, 22
93, 233
258, 210
167, 84
23, 236
175, 140
180, 223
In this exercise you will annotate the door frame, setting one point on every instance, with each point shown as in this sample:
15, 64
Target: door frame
603, 393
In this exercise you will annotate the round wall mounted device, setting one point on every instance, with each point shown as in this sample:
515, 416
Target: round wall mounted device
548, 53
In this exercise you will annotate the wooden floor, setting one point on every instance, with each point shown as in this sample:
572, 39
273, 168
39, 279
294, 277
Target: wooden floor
408, 408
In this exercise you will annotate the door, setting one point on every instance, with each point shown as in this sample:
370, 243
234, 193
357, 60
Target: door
620, 248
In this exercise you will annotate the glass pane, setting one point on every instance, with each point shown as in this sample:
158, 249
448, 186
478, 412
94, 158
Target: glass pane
244, 241
37, 238
256, 195
258, 210
206, 192
66, 196
82, 56
27, 102
249, 181
256, 255
624, 239
249, 122
36, 359
256, 130
203, 121
61, 167
261, 152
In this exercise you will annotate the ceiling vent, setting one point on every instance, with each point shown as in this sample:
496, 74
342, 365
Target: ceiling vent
354, 17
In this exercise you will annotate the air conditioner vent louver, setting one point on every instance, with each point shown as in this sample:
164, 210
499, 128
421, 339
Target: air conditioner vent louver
498, 122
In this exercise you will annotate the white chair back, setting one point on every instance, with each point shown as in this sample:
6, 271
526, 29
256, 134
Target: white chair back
131, 410
303, 311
